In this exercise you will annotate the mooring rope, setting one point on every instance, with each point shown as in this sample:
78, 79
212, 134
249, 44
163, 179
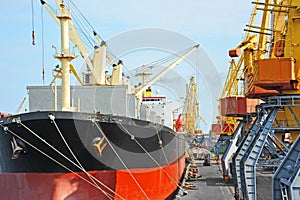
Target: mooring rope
160, 142
48, 156
145, 150
44, 141
111, 146
52, 118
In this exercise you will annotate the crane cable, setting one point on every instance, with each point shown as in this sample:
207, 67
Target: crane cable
82, 25
43, 46
84, 18
32, 22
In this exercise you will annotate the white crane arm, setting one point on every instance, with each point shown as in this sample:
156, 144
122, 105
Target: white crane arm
108, 56
139, 90
76, 40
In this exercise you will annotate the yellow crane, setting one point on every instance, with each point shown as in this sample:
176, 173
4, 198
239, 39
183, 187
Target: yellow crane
233, 106
273, 65
267, 65
254, 77
190, 114
272, 74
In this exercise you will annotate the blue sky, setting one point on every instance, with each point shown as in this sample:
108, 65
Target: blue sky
216, 25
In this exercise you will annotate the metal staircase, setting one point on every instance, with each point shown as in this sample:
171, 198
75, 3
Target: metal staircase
231, 148
252, 154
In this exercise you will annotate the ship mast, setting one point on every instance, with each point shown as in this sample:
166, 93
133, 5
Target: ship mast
65, 58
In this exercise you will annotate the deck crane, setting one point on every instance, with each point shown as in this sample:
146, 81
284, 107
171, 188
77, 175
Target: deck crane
272, 75
140, 89
96, 66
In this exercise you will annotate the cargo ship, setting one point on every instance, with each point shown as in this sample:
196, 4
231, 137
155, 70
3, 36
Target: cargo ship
106, 145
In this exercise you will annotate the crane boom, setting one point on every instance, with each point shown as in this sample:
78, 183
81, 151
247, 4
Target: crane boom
233, 90
108, 56
141, 89
22, 105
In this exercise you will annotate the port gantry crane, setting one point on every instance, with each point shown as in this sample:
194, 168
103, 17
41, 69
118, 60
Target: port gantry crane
235, 109
233, 104
272, 74
190, 113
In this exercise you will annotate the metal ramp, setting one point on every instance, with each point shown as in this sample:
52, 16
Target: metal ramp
231, 148
247, 141
252, 154
286, 179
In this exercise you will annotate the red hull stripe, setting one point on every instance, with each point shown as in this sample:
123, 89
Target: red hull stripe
157, 183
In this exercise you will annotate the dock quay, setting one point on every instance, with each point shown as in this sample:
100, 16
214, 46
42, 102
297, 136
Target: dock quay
211, 184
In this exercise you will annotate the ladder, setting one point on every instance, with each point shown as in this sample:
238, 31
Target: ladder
284, 192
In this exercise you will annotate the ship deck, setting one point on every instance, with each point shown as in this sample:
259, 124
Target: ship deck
212, 186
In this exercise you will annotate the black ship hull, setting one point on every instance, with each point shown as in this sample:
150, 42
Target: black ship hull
97, 156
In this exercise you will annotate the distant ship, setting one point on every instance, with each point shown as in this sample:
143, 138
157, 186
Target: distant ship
61, 149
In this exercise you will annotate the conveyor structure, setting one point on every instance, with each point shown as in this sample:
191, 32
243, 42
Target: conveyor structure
286, 180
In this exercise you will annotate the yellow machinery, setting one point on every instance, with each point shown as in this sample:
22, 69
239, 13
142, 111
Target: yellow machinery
269, 57
190, 115
233, 105
270, 66
271, 71
273, 64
